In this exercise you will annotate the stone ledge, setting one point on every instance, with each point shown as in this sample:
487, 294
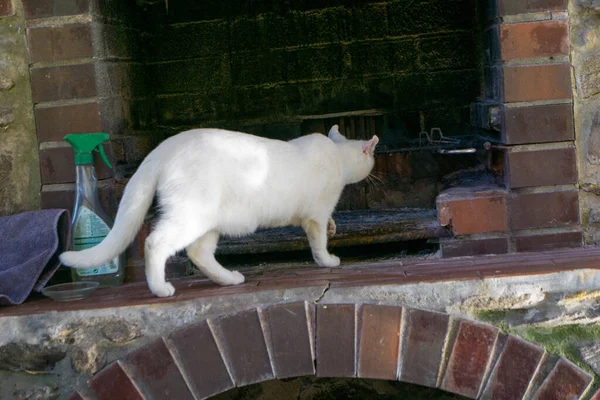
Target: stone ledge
405, 272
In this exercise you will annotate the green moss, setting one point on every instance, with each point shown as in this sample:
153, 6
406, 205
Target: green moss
565, 340
494, 317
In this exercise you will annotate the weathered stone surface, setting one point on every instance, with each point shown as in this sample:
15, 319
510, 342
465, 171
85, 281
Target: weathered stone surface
120, 331
29, 358
591, 355
37, 393
7, 116
88, 360
593, 144
19, 166
5, 82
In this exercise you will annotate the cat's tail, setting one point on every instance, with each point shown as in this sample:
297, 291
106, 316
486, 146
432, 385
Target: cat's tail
135, 203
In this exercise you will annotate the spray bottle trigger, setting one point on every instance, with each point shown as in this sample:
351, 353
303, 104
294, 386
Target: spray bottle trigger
100, 149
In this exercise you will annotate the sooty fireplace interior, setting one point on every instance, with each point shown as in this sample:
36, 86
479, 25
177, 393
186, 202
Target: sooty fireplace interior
471, 98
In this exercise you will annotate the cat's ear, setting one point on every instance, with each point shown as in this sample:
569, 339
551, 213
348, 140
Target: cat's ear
335, 135
369, 146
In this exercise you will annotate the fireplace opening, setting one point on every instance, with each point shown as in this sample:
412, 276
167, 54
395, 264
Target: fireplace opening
408, 71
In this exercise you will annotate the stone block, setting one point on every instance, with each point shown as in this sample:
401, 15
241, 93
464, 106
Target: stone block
379, 342
448, 52
514, 370
60, 43
196, 40
566, 381
543, 210
540, 168
113, 383
289, 333
471, 354
547, 242
54, 8
472, 211
57, 165
6, 8
537, 82
64, 198
427, 16
53, 123
335, 340
473, 247
201, 361
156, 373
423, 344
534, 39
512, 7
244, 348
69, 82
538, 124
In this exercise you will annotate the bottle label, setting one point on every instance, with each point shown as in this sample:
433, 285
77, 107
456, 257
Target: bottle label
90, 230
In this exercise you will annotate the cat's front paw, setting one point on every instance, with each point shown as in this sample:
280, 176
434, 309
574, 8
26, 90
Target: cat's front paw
330, 261
164, 289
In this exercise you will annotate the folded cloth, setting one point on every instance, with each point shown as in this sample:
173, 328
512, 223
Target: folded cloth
29, 247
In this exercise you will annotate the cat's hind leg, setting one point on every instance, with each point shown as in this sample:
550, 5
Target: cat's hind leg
331, 228
317, 238
202, 254
169, 236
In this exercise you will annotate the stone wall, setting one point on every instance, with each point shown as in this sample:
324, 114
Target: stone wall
256, 66
57, 352
19, 166
585, 58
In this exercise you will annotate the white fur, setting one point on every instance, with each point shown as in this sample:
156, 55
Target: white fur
214, 182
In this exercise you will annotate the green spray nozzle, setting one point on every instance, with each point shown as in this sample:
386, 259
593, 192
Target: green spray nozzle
85, 143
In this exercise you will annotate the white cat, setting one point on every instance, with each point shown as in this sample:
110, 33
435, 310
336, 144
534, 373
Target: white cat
213, 182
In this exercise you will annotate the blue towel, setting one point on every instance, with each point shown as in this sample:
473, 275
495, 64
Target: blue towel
29, 247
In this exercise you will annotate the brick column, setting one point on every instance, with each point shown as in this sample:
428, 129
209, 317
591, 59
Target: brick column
528, 102
65, 95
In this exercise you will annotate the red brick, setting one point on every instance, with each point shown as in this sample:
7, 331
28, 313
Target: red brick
424, 343
566, 381
57, 165
512, 7
289, 332
6, 8
515, 368
65, 198
540, 168
379, 342
549, 241
63, 83
50, 8
473, 247
53, 123
534, 39
544, 210
244, 347
537, 82
113, 383
471, 211
60, 43
335, 340
469, 359
154, 369
201, 360
538, 124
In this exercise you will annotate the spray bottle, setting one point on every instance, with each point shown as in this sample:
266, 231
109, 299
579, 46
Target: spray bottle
90, 223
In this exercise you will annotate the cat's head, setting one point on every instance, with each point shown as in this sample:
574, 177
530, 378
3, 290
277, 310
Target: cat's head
358, 155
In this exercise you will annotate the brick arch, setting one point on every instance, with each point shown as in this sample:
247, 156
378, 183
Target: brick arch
426, 348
